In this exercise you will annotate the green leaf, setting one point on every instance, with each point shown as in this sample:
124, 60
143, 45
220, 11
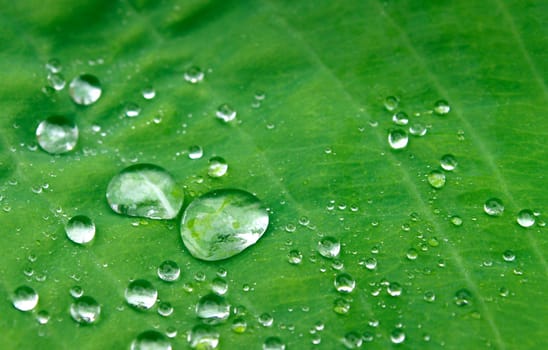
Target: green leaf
315, 151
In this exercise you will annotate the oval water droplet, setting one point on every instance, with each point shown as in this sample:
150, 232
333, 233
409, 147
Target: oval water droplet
391, 103
526, 218
441, 107
265, 319
456, 220
344, 283
43, 317
195, 152
463, 297
436, 179
226, 113
341, 306
239, 325
329, 247
219, 286
145, 190
213, 309
273, 343
398, 139
218, 167
508, 255
165, 309
352, 340
412, 254
132, 110
85, 310
57, 135
80, 229
295, 257
54, 65
417, 129
493, 207
85, 89
169, 271
76, 291
397, 336
141, 294
150, 340
24, 298
203, 337
448, 162
148, 93
222, 223
56, 81
394, 289
400, 118
194, 75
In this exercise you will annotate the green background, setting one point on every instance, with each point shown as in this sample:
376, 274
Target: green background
318, 139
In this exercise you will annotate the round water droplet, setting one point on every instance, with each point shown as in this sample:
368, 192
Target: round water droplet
85, 310
25, 298
57, 135
295, 257
151, 340
148, 93
169, 271
508, 255
441, 107
417, 129
217, 167
141, 294
391, 103
222, 223
456, 220
226, 113
463, 297
239, 325
344, 283
412, 254
526, 218
42, 317
80, 229
329, 247
54, 65
493, 207
394, 289
195, 152
145, 190
265, 319
76, 291
85, 89
219, 286
352, 340
132, 110
436, 179
213, 309
448, 162
194, 75
341, 306
429, 296
273, 343
56, 81
400, 118
397, 139
371, 263
165, 309
397, 336
203, 337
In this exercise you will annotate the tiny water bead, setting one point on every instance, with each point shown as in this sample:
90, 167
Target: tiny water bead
344, 283
218, 167
526, 218
194, 75
273, 343
85, 310
400, 118
169, 271
141, 294
493, 207
85, 89
150, 340
448, 162
222, 223
463, 297
441, 107
398, 139
436, 179
132, 110
329, 247
24, 298
203, 337
213, 309
295, 257
195, 152
145, 190
80, 229
394, 289
226, 113
456, 220
57, 135
391, 103
352, 340
412, 254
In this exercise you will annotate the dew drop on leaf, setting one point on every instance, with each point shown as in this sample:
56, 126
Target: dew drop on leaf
42, 317
295, 257
56, 81
195, 152
329, 247
85, 89
493, 207
57, 135
239, 325
148, 340
217, 167
436, 179
448, 162
508, 255
394, 289
341, 306
165, 309
80, 229
417, 129
148, 93
194, 75
456, 220
441, 107
400, 118
141, 294
203, 337
85, 310
463, 297
397, 336
526, 218
265, 319
412, 254
132, 110
169, 271
219, 286
76, 291
226, 113
25, 298
273, 343
391, 103
352, 340
344, 283
54, 65
397, 139
212, 309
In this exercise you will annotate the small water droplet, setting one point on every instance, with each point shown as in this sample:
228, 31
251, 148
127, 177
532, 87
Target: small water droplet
226, 113
463, 297
265, 319
85, 89
132, 110
25, 298
218, 167
504, 292
526, 218
80, 229
436, 179
394, 289
150, 340
213, 309
57, 135
76, 291
273, 343
352, 340
42, 317
219, 286
194, 75
508, 255
441, 107
397, 336
429, 296
239, 325
171, 332
412, 254
341, 306
195, 152
398, 139
259, 95
141, 294
400, 118
329, 247
85, 310
169, 271
371, 263
344, 283
391, 103
54, 65
493, 207
165, 309
448, 162
456, 220
56, 81
295, 257
417, 129
148, 93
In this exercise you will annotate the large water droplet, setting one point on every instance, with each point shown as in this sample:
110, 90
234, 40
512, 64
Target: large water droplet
397, 139
344, 283
441, 107
273, 343
203, 337
85, 310
526, 218
194, 75
217, 167
151, 340
226, 113
25, 298
145, 190
448, 162
329, 247
57, 135
222, 223
169, 271
85, 89
213, 309
80, 229
141, 294
493, 207
436, 179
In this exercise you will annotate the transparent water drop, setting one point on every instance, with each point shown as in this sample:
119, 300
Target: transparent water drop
504, 292
259, 95
448, 162
344, 283
239, 325
412, 254
456, 220
54, 65
352, 340
273, 343
195, 152
76, 291
368, 336
417, 129
219, 286
400, 118
398, 139
141, 294
57, 135
43, 317
150, 340
56, 81
132, 110
526, 218
194, 75
145, 190
329, 247
24, 298
493, 207
165, 308
463, 297
441, 107
222, 223
218, 167
508, 255
226, 113
265, 319
371, 263
295, 257
148, 93
391, 103
341, 306
169, 271
394, 289
436, 179
429, 296
80, 229
203, 337
397, 336
171, 332
213, 309
85, 89
85, 310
